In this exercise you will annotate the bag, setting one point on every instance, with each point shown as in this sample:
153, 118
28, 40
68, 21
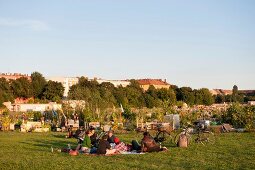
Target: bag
73, 153
183, 141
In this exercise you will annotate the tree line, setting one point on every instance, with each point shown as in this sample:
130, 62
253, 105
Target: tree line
105, 95
236, 96
37, 87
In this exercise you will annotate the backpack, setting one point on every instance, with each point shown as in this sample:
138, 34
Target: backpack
183, 141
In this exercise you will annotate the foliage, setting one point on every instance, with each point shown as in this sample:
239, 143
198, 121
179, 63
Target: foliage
5, 91
53, 91
5, 121
129, 115
186, 95
38, 84
187, 118
37, 116
21, 87
240, 116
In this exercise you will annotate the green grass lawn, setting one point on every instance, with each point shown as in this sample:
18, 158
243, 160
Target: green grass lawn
32, 151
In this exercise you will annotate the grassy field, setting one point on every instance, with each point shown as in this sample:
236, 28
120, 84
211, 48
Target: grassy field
32, 151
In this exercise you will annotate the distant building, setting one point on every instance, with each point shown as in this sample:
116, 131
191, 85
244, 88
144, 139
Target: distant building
116, 83
157, 83
252, 103
221, 92
229, 92
247, 92
67, 82
17, 107
14, 76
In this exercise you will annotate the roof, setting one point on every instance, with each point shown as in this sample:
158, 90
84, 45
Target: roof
221, 92
152, 82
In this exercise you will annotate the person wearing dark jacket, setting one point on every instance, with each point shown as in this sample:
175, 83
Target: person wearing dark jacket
111, 137
104, 147
148, 144
93, 137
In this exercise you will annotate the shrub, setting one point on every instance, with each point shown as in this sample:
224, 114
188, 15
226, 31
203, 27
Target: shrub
240, 116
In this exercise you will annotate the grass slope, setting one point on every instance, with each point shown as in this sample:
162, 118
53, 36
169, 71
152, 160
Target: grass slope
32, 151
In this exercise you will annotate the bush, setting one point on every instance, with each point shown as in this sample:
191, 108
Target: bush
240, 116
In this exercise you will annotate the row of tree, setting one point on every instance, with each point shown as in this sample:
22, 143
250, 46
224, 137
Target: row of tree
105, 95
236, 96
37, 88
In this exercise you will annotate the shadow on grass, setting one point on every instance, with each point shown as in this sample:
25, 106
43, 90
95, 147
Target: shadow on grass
48, 143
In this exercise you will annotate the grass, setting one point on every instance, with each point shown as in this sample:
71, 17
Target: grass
32, 151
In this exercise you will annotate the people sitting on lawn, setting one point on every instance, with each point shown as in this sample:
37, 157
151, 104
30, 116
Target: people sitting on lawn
104, 147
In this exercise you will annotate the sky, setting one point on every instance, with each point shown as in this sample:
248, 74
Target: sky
193, 43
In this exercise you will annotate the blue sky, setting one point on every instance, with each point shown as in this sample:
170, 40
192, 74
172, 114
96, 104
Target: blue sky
194, 43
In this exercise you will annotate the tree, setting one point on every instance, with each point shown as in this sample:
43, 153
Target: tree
235, 90
38, 84
53, 91
167, 98
120, 96
219, 98
234, 93
186, 95
21, 87
207, 97
5, 91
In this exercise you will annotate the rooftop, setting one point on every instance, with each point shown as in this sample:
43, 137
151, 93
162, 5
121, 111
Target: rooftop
152, 82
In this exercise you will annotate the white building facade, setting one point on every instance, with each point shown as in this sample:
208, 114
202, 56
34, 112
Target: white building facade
116, 83
16, 107
67, 82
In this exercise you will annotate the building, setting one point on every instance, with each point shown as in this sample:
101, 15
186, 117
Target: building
18, 107
252, 103
14, 76
157, 83
220, 92
67, 82
247, 92
229, 92
116, 83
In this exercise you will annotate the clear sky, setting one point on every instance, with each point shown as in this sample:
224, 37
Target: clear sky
196, 43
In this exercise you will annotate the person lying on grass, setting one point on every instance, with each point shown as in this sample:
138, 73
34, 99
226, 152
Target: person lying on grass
121, 146
104, 147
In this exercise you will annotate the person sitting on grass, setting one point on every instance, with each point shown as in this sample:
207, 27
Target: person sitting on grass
111, 137
80, 138
93, 137
104, 147
86, 145
148, 144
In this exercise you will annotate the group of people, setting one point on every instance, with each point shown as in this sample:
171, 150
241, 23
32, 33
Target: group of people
109, 144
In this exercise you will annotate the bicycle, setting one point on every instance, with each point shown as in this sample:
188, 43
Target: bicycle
204, 135
201, 134
162, 135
